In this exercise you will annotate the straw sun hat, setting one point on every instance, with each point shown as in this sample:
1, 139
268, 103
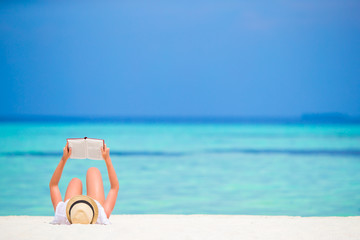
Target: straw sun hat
82, 209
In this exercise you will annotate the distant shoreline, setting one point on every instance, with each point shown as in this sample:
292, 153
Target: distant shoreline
304, 119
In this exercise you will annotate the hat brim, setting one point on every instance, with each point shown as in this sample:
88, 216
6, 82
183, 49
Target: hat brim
82, 198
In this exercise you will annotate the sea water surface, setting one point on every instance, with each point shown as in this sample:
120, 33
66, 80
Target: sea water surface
183, 168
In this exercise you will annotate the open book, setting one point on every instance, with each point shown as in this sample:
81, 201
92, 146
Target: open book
86, 148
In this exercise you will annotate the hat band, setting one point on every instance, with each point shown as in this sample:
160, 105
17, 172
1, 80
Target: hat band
82, 201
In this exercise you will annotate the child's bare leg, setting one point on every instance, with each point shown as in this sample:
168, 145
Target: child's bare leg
94, 185
74, 188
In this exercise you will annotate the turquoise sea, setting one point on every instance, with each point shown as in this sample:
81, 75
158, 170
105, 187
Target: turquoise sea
192, 168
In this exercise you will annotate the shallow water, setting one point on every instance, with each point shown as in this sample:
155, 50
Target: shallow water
289, 169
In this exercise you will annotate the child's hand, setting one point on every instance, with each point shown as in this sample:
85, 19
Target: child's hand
105, 153
66, 152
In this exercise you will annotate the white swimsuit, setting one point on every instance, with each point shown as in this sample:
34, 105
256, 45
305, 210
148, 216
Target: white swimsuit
60, 214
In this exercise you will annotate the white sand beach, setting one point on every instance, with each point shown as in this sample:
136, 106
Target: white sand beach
186, 227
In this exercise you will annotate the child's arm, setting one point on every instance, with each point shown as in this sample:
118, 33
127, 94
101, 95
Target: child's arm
114, 183
54, 188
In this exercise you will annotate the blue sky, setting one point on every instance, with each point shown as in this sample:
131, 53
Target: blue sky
180, 58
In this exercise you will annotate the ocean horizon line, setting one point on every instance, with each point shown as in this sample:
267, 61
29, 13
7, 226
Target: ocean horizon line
327, 118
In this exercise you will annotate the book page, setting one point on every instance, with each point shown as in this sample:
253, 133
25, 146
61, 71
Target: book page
94, 148
78, 148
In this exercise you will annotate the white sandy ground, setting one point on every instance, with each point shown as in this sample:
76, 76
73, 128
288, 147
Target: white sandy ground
184, 227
